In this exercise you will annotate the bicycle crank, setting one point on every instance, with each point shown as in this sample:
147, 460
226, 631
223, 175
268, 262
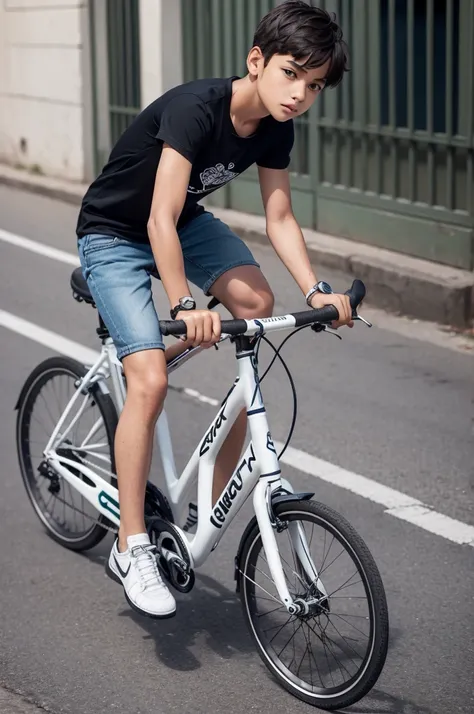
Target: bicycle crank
172, 554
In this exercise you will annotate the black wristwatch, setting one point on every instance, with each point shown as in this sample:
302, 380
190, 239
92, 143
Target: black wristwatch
185, 303
320, 287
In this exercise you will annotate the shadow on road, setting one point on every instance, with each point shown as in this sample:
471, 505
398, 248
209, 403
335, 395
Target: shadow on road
378, 702
211, 614
211, 617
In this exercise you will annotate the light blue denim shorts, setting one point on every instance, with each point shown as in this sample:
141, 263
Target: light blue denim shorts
118, 274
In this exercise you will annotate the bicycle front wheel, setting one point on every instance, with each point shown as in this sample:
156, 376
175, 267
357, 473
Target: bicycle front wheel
332, 655
88, 439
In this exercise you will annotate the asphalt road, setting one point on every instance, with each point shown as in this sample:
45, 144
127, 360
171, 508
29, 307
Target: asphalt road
381, 403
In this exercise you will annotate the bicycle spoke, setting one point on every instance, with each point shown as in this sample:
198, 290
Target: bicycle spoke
331, 563
346, 585
263, 614
280, 628
322, 639
345, 640
294, 633
325, 636
334, 614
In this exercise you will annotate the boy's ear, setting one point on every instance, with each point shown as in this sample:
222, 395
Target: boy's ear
255, 61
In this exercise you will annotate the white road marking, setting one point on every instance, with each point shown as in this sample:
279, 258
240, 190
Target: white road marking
396, 503
49, 339
39, 248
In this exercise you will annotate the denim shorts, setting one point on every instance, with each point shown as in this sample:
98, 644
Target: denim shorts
118, 274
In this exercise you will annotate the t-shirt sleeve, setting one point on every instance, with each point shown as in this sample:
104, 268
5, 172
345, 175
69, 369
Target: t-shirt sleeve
185, 125
278, 154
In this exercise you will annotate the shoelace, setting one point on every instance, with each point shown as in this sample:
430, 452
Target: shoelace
147, 569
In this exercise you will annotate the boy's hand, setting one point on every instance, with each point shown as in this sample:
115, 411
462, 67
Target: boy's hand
203, 327
341, 302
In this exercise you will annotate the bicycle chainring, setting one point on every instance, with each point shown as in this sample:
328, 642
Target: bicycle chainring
172, 554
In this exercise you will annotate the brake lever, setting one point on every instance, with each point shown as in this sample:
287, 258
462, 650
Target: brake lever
355, 317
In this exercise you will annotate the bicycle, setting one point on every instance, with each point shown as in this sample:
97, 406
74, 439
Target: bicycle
274, 569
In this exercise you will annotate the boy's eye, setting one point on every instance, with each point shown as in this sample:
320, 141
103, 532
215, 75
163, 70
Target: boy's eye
289, 73
315, 87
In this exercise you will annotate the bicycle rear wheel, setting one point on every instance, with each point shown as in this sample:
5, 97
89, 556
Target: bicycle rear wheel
65, 513
332, 655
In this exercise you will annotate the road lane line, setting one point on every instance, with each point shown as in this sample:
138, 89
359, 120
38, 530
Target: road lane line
396, 503
39, 248
55, 342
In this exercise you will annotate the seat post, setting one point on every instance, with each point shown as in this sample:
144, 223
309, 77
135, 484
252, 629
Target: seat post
102, 330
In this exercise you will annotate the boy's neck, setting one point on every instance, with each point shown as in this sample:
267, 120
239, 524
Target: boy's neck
246, 109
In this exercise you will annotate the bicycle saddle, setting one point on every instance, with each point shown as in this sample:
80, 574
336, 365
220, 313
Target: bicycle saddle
79, 287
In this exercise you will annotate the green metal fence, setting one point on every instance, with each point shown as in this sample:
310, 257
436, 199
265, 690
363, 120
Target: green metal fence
124, 64
388, 157
116, 67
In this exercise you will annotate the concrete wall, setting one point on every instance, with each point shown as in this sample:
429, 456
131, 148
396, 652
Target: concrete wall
41, 86
161, 58
46, 121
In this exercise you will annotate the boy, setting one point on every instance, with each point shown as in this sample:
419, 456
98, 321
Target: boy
143, 211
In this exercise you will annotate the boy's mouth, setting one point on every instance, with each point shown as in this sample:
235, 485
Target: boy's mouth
290, 107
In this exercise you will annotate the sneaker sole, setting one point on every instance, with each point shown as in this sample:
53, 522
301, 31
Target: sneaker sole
116, 578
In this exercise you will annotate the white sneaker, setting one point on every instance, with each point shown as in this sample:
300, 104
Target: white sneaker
137, 571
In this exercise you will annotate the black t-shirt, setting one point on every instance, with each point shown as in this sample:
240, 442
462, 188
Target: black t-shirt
194, 119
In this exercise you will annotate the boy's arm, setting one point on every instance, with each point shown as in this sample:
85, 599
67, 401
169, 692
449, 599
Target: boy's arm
287, 239
169, 195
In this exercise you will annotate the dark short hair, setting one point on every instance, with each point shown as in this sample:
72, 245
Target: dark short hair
298, 29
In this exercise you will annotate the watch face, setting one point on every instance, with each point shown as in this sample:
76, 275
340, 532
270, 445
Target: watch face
187, 303
324, 287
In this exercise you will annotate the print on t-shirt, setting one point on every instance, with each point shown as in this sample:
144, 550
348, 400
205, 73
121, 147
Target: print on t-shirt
216, 175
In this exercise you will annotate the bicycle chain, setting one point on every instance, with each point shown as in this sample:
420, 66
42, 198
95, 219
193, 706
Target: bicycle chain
86, 515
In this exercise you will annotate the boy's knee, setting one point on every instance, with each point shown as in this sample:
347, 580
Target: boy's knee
147, 381
257, 304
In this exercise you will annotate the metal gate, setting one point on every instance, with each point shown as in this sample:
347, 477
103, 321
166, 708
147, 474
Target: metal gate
388, 157
116, 71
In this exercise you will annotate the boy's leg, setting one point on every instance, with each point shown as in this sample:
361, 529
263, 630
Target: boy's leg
118, 275
146, 376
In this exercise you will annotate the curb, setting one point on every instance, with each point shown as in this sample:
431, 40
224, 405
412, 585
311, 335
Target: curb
398, 283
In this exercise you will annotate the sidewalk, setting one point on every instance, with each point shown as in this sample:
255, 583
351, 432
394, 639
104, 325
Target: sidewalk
398, 283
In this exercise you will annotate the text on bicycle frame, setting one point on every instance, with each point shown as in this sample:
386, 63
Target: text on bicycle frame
222, 507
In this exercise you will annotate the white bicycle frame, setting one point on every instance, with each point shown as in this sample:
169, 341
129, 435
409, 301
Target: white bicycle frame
258, 469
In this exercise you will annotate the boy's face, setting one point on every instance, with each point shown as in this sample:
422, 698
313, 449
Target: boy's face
285, 88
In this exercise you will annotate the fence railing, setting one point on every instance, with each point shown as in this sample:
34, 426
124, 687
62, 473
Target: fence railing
388, 157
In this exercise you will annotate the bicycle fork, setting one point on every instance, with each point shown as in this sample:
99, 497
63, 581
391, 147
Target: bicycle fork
268, 525
270, 480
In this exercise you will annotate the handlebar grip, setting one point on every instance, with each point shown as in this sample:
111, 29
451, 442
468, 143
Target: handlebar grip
356, 293
328, 313
178, 327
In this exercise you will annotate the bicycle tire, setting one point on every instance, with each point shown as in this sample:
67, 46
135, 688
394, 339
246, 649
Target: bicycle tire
338, 526
39, 377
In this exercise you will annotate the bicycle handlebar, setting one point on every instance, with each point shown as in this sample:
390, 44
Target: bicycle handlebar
325, 314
